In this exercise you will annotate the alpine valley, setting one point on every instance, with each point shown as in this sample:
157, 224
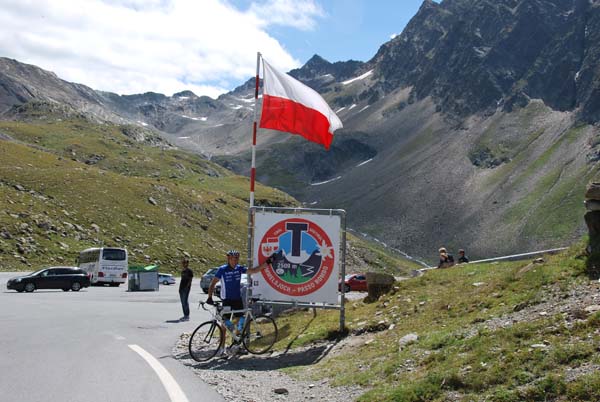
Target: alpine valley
477, 127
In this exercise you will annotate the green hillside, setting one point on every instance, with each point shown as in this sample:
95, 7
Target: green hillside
72, 184
512, 331
80, 185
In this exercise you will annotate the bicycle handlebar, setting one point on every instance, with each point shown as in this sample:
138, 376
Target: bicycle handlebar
219, 307
216, 305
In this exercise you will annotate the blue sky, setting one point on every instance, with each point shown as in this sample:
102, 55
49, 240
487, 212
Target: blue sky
207, 46
348, 29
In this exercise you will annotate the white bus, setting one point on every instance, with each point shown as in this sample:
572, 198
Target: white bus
105, 265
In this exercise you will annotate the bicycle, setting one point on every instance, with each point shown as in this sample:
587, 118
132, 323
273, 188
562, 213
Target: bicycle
258, 334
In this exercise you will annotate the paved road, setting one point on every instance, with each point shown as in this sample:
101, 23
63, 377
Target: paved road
60, 346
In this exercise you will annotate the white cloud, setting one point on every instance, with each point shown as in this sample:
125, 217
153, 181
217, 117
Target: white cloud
133, 46
297, 14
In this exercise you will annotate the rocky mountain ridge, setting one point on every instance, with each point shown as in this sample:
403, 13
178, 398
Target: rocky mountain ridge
476, 127
476, 55
481, 121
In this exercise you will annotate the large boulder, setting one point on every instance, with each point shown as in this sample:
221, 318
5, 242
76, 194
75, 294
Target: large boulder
592, 220
592, 205
378, 284
593, 191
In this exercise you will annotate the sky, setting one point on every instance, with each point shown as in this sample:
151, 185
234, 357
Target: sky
206, 46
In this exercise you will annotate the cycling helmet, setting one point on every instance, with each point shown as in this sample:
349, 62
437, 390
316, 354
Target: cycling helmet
233, 253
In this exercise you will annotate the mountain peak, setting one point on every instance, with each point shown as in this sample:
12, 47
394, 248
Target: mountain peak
316, 62
185, 94
429, 3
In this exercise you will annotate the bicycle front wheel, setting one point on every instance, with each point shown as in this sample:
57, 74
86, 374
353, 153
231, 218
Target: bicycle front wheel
206, 341
260, 334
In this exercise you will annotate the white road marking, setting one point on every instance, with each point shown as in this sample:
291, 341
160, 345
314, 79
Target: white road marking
173, 389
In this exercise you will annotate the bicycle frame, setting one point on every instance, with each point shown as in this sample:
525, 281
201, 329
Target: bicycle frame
258, 334
219, 316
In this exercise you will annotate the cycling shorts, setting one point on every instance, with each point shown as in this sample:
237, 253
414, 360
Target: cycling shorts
236, 304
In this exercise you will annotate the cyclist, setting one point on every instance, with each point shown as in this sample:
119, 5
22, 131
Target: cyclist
230, 276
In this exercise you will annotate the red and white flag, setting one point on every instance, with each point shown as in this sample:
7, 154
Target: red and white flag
291, 106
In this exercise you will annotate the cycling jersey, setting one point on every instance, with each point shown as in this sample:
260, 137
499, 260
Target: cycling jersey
230, 281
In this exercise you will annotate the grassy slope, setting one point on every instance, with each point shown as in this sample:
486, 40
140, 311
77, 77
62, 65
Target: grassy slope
549, 208
458, 352
547, 203
362, 256
201, 207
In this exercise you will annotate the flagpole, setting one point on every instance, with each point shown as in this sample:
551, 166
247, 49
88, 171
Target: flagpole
254, 128
252, 175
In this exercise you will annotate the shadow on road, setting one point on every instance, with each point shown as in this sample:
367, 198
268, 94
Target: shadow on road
262, 363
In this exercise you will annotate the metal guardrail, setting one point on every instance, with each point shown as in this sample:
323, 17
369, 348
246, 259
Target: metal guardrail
514, 257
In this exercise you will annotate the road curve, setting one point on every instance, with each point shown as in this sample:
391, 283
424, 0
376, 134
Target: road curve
74, 346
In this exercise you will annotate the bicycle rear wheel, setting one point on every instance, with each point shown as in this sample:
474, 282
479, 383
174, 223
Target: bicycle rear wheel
260, 334
205, 341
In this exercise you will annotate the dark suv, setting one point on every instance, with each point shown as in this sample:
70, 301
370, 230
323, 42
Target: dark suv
64, 278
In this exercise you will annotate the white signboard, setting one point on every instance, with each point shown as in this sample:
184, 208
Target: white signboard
306, 265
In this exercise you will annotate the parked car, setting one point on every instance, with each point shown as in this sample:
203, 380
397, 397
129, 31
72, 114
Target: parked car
354, 282
207, 278
65, 278
166, 279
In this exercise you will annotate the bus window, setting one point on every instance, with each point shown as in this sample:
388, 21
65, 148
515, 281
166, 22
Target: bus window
113, 254
89, 256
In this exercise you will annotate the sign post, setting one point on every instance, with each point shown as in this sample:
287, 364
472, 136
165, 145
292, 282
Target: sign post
309, 248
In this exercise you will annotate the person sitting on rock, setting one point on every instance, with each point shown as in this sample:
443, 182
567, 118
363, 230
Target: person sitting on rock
446, 260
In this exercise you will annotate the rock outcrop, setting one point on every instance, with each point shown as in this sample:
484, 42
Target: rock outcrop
378, 284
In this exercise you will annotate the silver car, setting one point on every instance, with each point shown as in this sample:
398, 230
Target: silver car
166, 279
207, 278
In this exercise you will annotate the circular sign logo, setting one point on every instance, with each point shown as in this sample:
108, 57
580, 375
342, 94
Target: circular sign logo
303, 260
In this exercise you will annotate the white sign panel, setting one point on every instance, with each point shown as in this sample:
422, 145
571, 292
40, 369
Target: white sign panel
306, 265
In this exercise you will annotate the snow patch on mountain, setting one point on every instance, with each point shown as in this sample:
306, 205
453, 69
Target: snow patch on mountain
195, 118
364, 163
326, 181
360, 77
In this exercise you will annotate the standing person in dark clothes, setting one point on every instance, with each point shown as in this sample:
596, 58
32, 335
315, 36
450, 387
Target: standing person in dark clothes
185, 285
462, 258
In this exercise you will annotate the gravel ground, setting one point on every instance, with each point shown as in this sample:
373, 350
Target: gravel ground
258, 378
250, 378
575, 305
